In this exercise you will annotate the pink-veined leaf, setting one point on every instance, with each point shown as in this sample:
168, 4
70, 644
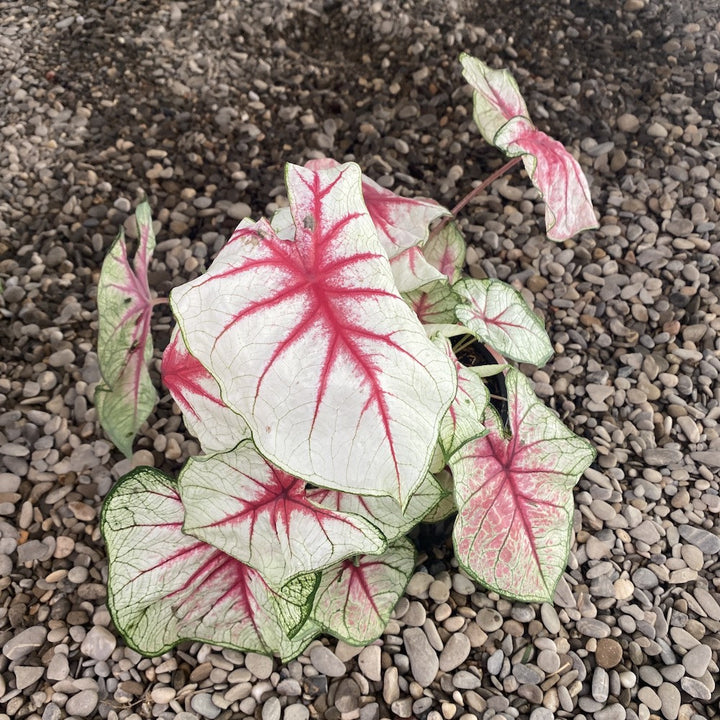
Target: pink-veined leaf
311, 344
383, 512
502, 117
555, 173
496, 96
434, 304
497, 314
514, 497
445, 251
197, 394
355, 598
165, 587
411, 271
401, 222
262, 516
126, 396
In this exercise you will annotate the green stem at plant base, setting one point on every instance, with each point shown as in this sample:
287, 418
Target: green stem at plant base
465, 342
475, 192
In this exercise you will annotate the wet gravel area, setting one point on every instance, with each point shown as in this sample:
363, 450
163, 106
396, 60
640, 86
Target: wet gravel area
199, 105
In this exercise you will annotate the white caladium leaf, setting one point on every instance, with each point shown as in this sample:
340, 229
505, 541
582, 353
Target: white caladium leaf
464, 419
502, 117
165, 587
126, 396
446, 506
411, 270
383, 512
445, 251
514, 497
555, 173
434, 304
311, 344
197, 394
282, 223
496, 99
498, 315
401, 222
356, 597
262, 516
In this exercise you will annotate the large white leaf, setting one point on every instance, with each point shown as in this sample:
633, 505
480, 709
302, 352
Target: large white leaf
514, 497
498, 315
311, 343
262, 516
165, 587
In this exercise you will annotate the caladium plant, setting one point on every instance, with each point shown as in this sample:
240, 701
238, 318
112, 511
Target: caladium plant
345, 381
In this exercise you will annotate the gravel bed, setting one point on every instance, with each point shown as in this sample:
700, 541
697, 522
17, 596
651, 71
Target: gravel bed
199, 105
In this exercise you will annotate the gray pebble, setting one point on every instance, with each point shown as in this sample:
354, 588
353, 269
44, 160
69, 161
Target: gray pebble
82, 704
99, 643
203, 705
24, 642
261, 666
670, 698
271, 709
528, 674
495, 662
326, 662
600, 685
296, 711
424, 663
696, 660
708, 542
455, 652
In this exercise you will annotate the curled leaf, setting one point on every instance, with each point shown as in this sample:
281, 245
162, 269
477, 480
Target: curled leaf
126, 396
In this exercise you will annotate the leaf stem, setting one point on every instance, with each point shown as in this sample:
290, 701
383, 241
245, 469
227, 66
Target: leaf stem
474, 192
160, 301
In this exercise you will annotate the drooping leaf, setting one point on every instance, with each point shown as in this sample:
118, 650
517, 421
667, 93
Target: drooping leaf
126, 396
356, 597
197, 394
434, 304
262, 516
496, 99
502, 117
514, 497
383, 512
555, 173
165, 586
401, 222
311, 344
498, 315
445, 251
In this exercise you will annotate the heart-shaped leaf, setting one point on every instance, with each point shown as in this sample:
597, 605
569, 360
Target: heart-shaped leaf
261, 516
126, 396
555, 173
445, 251
514, 497
502, 117
356, 597
165, 586
383, 512
411, 271
434, 304
446, 506
497, 314
311, 344
197, 394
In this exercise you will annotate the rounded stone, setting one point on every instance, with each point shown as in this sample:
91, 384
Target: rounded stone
608, 653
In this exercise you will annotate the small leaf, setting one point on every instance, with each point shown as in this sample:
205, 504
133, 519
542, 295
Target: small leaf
126, 396
496, 99
355, 598
197, 394
411, 270
165, 587
445, 251
498, 315
310, 342
514, 497
555, 173
434, 304
383, 512
262, 516
446, 506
